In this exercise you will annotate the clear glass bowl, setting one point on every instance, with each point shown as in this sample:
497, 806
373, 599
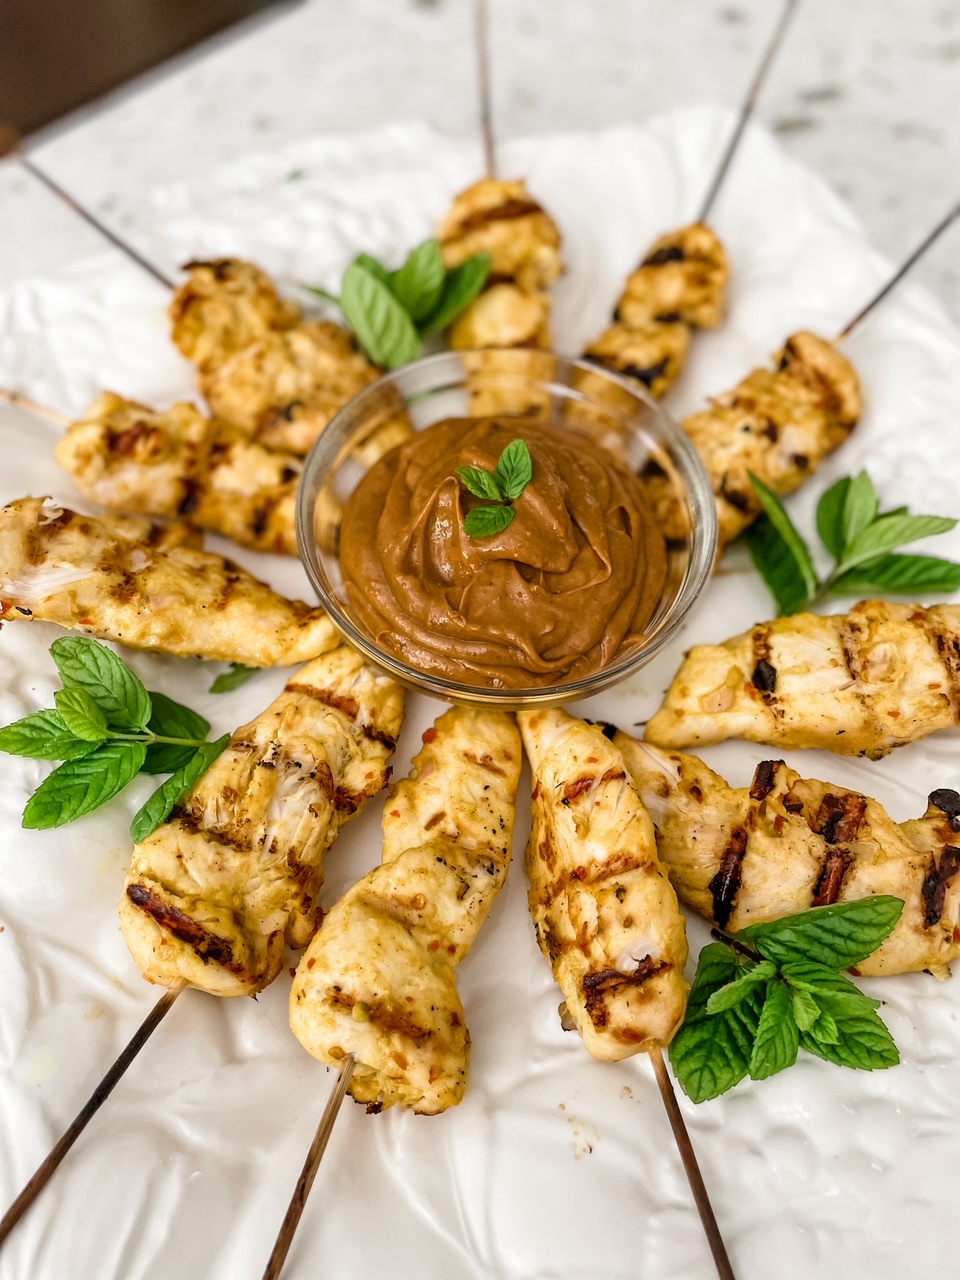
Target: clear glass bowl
614, 411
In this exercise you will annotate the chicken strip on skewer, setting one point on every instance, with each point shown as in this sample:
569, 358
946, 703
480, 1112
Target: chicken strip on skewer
148, 586
503, 220
215, 893
378, 980
679, 286
181, 465
605, 913
860, 683
263, 369
740, 856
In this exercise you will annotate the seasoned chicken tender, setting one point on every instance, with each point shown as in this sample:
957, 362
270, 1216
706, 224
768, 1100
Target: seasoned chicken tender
378, 980
180, 464
284, 387
860, 683
503, 220
225, 305
604, 911
215, 893
679, 286
148, 586
777, 423
741, 856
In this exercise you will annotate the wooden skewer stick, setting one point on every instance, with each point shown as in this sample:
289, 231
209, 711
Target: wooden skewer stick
901, 271
746, 111
31, 406
482, 41
691, 1167
309, 1171
32, 167
99, 1096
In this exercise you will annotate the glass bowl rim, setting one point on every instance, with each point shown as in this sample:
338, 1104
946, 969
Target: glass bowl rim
692, 473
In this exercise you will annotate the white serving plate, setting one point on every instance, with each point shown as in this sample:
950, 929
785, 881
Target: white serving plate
555, 1167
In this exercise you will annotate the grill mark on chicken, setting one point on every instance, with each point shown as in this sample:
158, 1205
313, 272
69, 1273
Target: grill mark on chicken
947, 801
587, 781
764, 677
725, 885
839, 817
345, 705
938, 879
598, 987
835, 866
507, 211
672, 253
206, 944
764, 779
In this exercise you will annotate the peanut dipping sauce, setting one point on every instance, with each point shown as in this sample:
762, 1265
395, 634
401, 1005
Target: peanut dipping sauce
557, 595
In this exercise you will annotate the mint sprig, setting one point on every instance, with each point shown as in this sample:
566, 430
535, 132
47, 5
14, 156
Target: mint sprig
106, 729
392, 311
503, 486
761, 995
235, 675
862, 540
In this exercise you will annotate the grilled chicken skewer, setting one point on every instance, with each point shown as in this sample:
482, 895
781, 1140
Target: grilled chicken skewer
378, 981
148, 586
739, 856
680, 284
216, 892
859, 683
604, 911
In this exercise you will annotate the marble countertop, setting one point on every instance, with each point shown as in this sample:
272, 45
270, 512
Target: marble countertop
864, 92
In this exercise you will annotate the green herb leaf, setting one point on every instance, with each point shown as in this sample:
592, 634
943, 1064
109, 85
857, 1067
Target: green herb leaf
807, 975
863, 1041
805, 1008
824, 1028
460, 287
418, 284
830, 516
711, 1053
793, 545
322, 293
837, 936
481, 483
43, 736
375, 267
514, 469
859, 509
161, 804
80, 786
774, 562
85, 664
238, 674
732, 993
901, 575
891, 531
383, 328
777, 1041
81, 715
483, 521
172, 720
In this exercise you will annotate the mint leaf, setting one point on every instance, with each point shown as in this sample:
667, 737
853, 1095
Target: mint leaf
514, 469
383, 328
838, 936
375, 267
237, 675
85, 664
711, 1053
732, 993
80, 786
418, 284
161, 804
859, 510
793, 545
481, 483
777, 1041
172, 720
824, 1028
830, 516
805, 1008
483, 521
820, 981
81, 715
774, 562
322, 293
460, 287
42, 736
891, 531
863, 1041
899, 575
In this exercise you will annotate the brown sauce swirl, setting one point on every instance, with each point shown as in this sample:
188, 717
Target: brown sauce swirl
556, 596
